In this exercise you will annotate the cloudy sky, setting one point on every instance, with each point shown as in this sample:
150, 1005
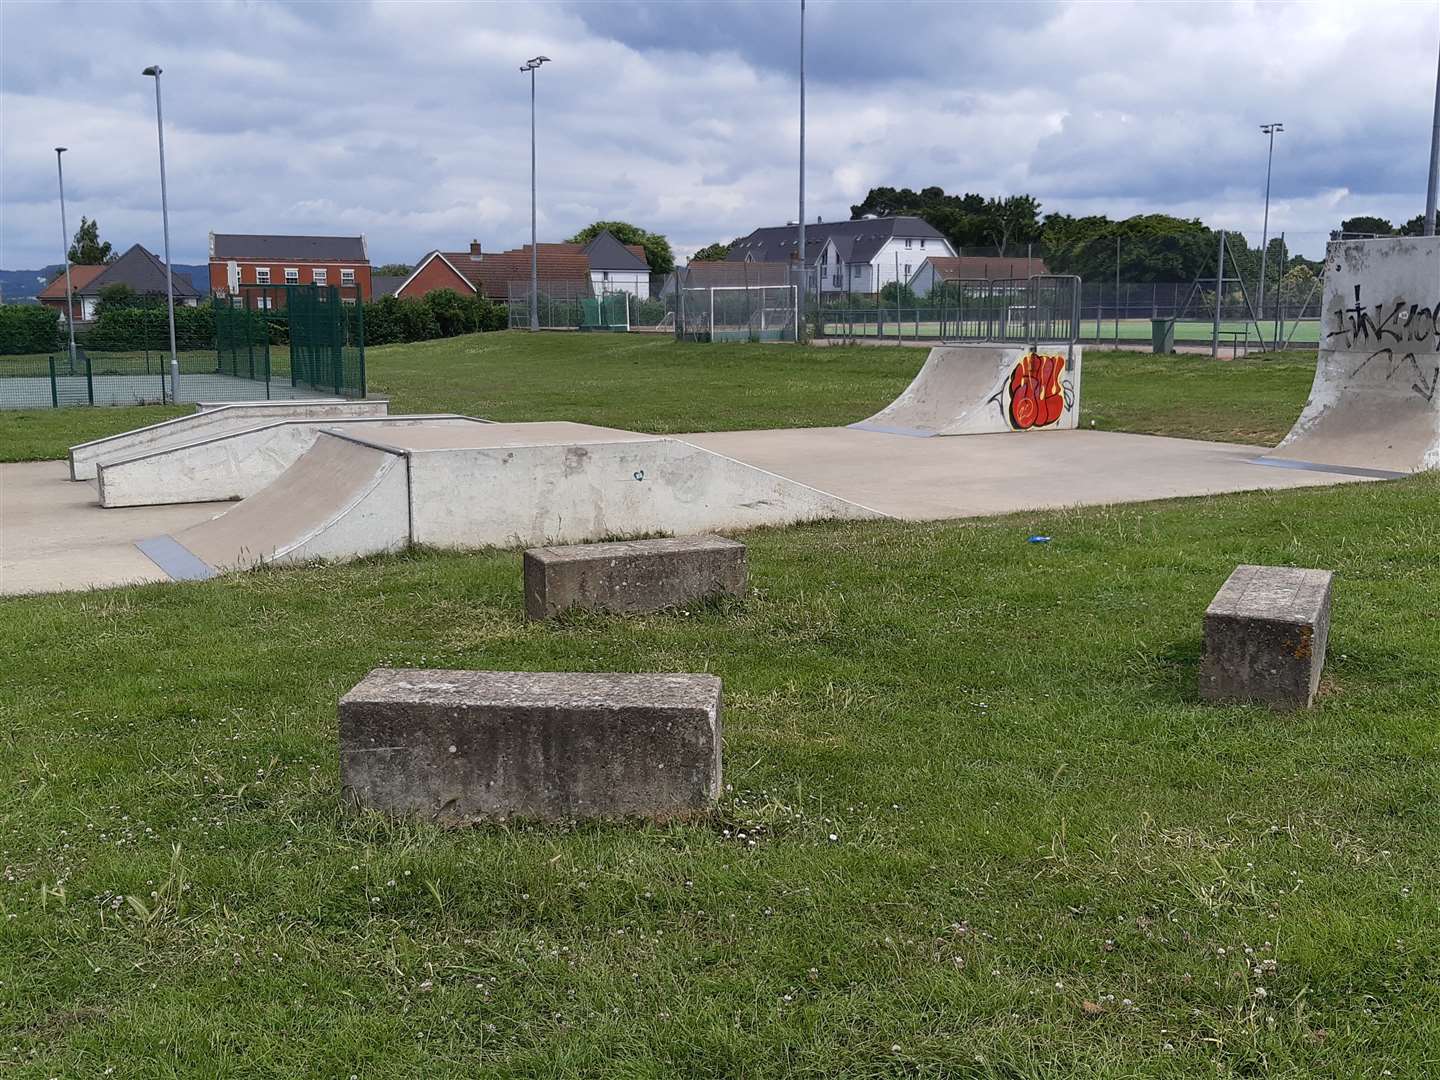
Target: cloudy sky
409, 121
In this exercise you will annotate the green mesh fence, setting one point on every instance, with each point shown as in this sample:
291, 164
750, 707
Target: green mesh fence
327, 340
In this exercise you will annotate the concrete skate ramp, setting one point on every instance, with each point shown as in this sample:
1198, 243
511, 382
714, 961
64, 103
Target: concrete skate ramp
491, 485
234, 464
340, 499
200, 424
1374, 403
983, 389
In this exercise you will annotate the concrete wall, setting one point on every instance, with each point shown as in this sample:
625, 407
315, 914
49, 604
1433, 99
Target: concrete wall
1375, 401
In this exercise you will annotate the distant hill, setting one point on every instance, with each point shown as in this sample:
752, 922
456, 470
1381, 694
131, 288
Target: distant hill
20, 286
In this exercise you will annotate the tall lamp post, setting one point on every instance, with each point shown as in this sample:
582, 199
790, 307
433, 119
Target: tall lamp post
65, 250
154, 72
1268, 129
804, 270
530, 66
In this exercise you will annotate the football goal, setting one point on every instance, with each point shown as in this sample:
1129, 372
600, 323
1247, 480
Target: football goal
736, 313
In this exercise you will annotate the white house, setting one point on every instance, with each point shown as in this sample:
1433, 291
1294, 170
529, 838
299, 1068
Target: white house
617, 267
848, 256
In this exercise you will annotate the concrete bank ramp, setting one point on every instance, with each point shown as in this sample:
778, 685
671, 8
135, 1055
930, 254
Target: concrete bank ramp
488, 485
1375, 401
983, 389
340, 500
233, 464
210, 421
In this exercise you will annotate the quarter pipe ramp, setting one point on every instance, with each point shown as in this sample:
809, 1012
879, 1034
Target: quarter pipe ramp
1375, 401
984, 389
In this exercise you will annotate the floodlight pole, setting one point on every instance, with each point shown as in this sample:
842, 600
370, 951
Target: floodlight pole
1430, 191
65, 251
1268, 129
531, 65
154, 72
804, 270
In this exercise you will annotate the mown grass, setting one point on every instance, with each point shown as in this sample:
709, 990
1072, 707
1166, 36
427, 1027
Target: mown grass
977, 823
657, 385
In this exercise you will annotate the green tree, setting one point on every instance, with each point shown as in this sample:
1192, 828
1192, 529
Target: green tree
1012, 220
113, 297
394, 270
711, 253
657, 248
1365, 223
1414, 227
1153, 247
87, 250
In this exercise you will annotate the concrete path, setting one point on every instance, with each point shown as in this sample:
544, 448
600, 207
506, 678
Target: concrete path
54, 535
979, 475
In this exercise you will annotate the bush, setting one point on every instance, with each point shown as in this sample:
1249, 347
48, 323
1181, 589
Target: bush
29, 328
144, 325
443, 313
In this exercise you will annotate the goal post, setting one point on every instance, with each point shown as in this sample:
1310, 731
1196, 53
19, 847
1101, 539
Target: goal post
737, 313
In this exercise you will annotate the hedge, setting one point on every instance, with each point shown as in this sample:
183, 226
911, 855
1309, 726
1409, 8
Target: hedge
28, 328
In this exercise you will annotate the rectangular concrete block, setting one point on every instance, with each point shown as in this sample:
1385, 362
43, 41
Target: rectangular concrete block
467, 746
632, 575
1265, 636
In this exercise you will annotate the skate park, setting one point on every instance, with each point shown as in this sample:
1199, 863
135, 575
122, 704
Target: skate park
983, 429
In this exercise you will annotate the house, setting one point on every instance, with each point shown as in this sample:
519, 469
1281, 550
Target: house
138, 269
972, 268
617, 267
562, 268
239, 262
848, 256
383, 285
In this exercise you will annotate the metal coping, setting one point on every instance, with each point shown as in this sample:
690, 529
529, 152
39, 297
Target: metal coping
178, 561
1341, 470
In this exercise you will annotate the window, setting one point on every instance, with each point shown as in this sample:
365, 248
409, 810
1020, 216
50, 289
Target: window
854, 271
907, 271
922, 243
347, 276
908, 241
292, 275
262, 275
320, 276
263, 302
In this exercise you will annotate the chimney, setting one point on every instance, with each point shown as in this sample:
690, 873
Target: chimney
819, 220
475, 250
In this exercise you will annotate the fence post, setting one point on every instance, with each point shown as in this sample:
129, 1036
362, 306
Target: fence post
54, 392
89, 380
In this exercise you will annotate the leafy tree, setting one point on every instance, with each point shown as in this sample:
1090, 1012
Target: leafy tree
1014, 219
118, 295
891, 290
394, 270
1297, 284
1153, 247
87, 250
1414, 227
657, 248
1367, 224
711, 253
965, 220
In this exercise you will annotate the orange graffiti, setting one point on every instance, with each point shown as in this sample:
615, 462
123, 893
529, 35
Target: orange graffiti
1037, 397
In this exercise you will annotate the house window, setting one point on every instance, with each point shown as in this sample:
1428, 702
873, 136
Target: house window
854, 271
347, 276
907, 271
320, 276
292, 275
922, 243
908, 241
262, 275
263, 302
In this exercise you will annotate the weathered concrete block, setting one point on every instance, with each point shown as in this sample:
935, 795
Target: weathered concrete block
1265, 635
465, 746
632, 575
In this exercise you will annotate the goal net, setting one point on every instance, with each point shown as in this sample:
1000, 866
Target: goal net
736, 313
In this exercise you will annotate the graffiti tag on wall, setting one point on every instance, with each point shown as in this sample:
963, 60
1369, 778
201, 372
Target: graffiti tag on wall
1406, 322
1037, 394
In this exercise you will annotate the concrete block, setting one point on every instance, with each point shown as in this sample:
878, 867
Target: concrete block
632, 575
467, 746
1265, 636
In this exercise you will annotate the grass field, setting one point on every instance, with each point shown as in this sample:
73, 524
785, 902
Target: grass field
977, 823
654, 384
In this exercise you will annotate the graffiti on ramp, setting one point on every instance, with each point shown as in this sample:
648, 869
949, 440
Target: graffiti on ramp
1037, 394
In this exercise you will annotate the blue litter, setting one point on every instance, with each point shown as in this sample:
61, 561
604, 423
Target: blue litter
1038, 540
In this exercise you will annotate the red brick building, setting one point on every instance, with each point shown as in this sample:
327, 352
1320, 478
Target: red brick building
490, 275
239, 264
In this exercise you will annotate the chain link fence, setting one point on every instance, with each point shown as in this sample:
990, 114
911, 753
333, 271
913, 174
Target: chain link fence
312, 345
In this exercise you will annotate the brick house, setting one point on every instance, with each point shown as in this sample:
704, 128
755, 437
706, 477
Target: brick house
138, 269
238, 262
562, 266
